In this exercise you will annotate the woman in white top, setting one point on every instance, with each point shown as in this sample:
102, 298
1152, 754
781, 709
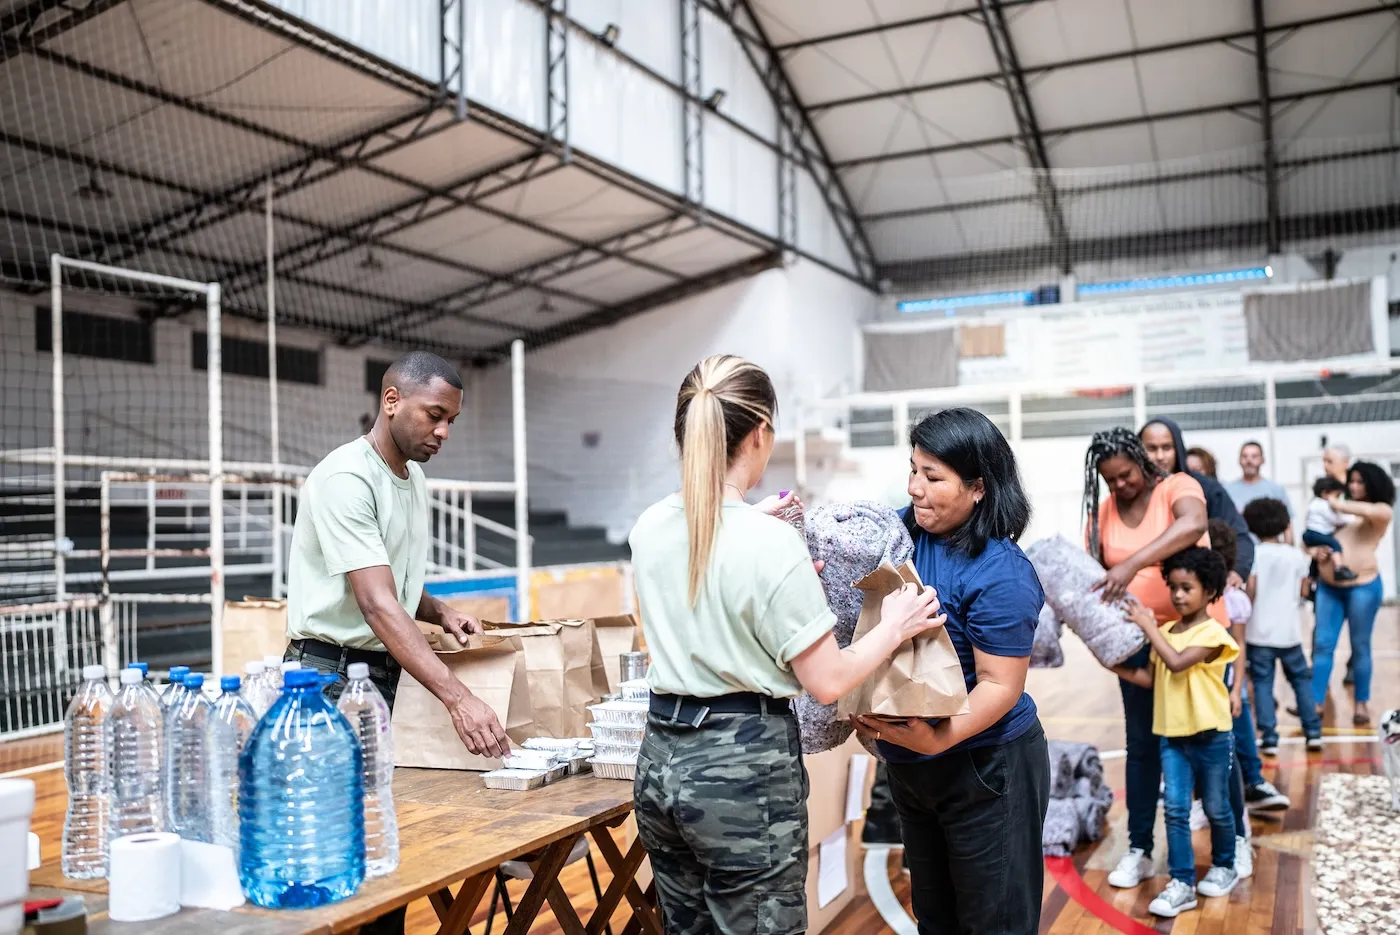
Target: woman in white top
737, 623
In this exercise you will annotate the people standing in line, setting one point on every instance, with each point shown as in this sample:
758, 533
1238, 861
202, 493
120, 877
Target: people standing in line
971, 791
1275, 632
1252, 485
1371, 498
1148, 516
737, 623
1162, 439
1323, 521
1200, 461
359, 555
1192, 721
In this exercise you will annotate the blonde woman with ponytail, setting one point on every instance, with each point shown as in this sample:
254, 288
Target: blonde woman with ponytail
737, 624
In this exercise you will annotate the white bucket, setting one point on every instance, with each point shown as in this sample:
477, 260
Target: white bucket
16, 807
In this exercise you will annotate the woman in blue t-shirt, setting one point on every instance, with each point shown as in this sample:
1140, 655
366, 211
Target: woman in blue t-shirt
971, 791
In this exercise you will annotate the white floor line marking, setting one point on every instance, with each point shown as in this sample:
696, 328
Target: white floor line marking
31, 770
877, 884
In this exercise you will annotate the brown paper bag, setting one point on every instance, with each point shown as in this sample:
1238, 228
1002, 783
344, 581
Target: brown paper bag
493, 667
253, 627
615, 636
559, 668
922, 679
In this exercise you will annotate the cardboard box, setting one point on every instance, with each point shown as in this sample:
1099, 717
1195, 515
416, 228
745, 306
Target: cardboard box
253, 627
819, 917
482, 608
828, 775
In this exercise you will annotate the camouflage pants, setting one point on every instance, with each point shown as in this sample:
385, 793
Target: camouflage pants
722, 812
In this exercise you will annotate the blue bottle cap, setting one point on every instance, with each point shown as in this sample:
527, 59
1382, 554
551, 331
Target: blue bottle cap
178, 673
301, 678
230, 683
145, 669
194, 681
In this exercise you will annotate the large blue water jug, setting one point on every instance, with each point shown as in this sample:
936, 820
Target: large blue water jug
301, 802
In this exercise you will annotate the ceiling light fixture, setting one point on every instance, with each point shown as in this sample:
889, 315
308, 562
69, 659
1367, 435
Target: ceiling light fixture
92, 189
371, 262
609, 34
715, 99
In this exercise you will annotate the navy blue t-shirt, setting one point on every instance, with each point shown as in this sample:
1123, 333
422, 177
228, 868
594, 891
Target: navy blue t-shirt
993, 602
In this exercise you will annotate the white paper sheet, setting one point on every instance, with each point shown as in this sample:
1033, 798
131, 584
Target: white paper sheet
831, 868
855, 787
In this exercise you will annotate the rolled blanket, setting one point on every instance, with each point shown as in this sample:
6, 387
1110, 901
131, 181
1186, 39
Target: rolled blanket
1079, 798
853, 539
1071, 762
1059, 835
1067, 573
1045, 651
1091, 804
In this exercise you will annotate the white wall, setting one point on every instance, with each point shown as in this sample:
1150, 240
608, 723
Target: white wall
800, 323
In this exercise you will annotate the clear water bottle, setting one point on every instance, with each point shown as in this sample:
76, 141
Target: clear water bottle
256, 689
186, 779
230, 724
273, 667
301, 802
175, 687
146, 685
279, 678
368, 713
135, 736
85, 770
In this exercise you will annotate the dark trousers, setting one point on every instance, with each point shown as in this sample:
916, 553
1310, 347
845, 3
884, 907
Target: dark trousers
1143, 764
385, 676
971, 823
1201, 761
1262, 661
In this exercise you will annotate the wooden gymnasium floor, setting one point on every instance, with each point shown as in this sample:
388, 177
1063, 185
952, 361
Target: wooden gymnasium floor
1077, 702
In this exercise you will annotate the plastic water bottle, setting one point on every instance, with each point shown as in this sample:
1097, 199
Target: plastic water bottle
135, 735
186, 779
230, 724
368, 713
145, 670
301, 802
279, 679
85, 770
175, 687
273, 667
256, 690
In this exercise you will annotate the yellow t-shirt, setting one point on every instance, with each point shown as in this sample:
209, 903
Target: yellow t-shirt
1186, 703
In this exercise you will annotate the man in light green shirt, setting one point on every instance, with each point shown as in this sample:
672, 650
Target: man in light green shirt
360, 551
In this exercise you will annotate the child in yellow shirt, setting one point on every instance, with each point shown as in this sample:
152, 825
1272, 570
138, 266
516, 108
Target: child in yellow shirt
1191, 715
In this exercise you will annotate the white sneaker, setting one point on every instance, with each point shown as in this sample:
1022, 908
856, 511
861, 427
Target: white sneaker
1132, 869
1174, 900
1244, 859
1198, 816
1218, 881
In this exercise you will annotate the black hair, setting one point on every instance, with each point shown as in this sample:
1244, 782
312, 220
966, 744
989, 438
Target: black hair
1327, 484
1105, 445
1267, 517
972, 446
417, 369
1206, 564
1379, 487
1252, 443
1224, 541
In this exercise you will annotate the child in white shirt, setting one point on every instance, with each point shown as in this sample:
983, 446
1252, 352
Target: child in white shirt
1322, 521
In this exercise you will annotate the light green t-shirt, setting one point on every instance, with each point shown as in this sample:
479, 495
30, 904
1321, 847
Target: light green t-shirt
761, 604
354, 513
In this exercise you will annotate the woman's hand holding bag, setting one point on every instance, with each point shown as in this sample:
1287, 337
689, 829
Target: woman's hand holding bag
910, 611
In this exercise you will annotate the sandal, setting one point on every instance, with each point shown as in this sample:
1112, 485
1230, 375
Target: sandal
1360, 720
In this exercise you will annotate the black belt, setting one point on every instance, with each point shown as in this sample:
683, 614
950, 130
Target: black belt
684, 709
341, 655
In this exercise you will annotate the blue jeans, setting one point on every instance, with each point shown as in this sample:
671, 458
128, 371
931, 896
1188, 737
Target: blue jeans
1357, 606
1200, 760
1312, 539
1143, 764
1262, 662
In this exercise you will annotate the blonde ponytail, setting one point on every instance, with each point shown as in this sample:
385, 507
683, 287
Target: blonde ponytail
722, 400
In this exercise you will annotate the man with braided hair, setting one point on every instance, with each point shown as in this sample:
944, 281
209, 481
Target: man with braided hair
1148, 516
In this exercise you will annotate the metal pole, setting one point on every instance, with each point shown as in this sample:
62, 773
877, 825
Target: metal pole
799, 453
151, 522
522, 487
1139, 405
273, 424
1016, 416
216, 480
104, 604
60, 492
1271, 420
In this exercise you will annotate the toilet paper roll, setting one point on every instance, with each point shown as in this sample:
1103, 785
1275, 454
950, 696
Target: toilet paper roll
34, 858
143, 877
209, 877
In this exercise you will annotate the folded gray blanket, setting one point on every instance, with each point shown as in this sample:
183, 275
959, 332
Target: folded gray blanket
1079, 798
853, 539
1045, 651
1067, 572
